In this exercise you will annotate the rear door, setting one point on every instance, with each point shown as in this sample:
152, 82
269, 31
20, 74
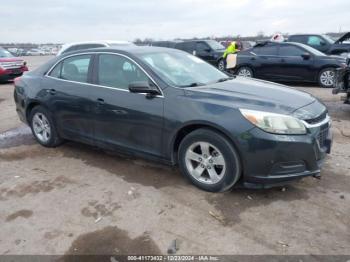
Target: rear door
66, 89
204, 52
292, 64
189, 47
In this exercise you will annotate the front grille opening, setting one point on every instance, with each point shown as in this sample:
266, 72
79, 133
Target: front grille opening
322, 135
318, 119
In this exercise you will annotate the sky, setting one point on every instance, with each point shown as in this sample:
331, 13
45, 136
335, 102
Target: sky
60, 21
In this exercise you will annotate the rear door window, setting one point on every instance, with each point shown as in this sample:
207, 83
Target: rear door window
268, 50
202, 47
314, 40
74, 68
187, 46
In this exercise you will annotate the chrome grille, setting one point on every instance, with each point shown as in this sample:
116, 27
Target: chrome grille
323, 134
11, 65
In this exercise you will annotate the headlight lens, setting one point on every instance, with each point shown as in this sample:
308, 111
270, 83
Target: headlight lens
275, 123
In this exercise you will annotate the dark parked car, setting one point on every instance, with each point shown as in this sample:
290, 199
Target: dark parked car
324, 43
170, 106
210, 51
168, 44
288, 62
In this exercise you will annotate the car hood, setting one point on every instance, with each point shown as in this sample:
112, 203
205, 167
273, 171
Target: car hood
333, 58
343, 38
10, 59
255, 95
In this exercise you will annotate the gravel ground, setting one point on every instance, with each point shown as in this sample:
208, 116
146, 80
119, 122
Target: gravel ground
76, 199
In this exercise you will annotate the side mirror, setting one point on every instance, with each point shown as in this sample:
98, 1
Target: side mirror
142, 87
306, 56
207, 50
323, 43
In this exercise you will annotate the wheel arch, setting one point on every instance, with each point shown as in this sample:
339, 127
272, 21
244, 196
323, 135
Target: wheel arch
246, 65
186, 129
30, 107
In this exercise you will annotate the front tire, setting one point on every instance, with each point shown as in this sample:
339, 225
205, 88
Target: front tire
326, 78
245, 72
43, 127
209, 160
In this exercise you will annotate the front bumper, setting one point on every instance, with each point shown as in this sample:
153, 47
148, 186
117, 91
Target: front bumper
270, 159
9, 74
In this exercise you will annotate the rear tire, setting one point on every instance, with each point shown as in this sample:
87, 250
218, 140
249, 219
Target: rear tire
209, 160
221, 65
43, 127
326, 77
245, 71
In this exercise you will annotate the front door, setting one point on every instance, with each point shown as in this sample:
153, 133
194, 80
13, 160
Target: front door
124, 119
292, 64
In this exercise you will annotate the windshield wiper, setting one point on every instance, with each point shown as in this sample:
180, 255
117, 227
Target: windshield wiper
225, 79
194, 84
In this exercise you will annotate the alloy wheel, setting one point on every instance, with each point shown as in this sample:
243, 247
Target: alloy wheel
245, 72
41, 127
221, 65
205, 163
327, 78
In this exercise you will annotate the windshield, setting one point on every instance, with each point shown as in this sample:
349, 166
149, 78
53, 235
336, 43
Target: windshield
313, 50
5, 53
215, 45
328, 39
181, 69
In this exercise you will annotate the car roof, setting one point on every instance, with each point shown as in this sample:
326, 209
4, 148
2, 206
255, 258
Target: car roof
304, 34
126, 49
104, 42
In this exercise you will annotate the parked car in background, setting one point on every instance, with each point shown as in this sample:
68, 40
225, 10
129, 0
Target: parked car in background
210, 51
324, 43
35, 52
289, 62
170, 106
10, 66
92, 44
168, 44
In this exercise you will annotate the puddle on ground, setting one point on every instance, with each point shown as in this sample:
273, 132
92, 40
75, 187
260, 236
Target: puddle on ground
231, 204
24, 213
34, 188
16, 137
96, 210
110, 241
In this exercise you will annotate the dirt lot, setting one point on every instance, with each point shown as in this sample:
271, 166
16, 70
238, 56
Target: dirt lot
78, 199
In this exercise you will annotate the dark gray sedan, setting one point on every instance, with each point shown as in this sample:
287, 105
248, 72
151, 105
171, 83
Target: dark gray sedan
170, 106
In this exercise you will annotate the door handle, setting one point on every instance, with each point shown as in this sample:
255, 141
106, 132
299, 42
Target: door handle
51, 91
283, 60
100, 101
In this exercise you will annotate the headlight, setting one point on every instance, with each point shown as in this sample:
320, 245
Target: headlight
275, 123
